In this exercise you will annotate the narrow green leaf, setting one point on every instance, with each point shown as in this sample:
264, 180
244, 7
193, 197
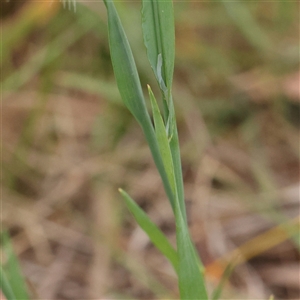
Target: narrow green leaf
163, 142
124, 66
191, 280
159, 39
154, 233
5, 286
13, 271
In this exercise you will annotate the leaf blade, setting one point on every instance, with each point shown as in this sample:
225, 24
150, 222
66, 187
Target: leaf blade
5, 286
12, 270
159, 37
124, 66
154, 233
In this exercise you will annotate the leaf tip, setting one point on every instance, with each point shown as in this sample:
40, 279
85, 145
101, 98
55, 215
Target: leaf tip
150, 91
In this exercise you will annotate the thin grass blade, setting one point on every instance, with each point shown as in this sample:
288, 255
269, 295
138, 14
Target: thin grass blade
5, 286
13, 271
124, 66
159, 39
154, 233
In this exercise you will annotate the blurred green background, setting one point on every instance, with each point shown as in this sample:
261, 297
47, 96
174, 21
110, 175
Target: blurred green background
68, 143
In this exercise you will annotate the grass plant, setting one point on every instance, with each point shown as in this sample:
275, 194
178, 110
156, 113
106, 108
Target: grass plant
56, 70
162, 136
